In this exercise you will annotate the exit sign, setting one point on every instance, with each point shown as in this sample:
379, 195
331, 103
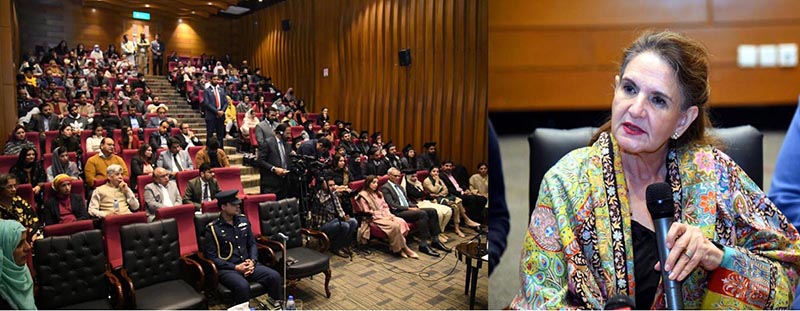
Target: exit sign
141, 15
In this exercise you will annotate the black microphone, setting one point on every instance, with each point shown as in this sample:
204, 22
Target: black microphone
619, 302
662, 210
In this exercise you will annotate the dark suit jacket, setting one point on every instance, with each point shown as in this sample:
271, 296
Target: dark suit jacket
52, 215
210, 103
196, 141
263, 131
391, 198
450, 187
194, 191
126, 121
37, 123
269, 157
155, 140
378, 170
309, 148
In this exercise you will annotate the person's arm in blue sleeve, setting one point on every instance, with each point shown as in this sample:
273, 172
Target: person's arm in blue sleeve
498, 210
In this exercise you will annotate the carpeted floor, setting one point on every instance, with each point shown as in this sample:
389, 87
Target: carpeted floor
383, 281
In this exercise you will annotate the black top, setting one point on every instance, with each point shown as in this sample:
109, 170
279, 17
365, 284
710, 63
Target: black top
645, 257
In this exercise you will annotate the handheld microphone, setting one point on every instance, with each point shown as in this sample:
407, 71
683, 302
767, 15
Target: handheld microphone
662, 210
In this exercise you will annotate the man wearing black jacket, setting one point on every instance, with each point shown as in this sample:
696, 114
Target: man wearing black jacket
474, 204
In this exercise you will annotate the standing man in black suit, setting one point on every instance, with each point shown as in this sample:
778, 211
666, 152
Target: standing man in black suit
215, 103
273, 161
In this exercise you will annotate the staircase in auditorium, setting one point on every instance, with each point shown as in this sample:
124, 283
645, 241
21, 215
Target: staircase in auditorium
180, 110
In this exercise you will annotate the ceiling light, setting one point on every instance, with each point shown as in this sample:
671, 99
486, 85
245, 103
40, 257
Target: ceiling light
180, 20
94, 10
192, 12
147, 5
209, 3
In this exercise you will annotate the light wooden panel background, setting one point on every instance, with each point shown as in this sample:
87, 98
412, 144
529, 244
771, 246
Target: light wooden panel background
8, 51
548, 55
442, 96
47, 22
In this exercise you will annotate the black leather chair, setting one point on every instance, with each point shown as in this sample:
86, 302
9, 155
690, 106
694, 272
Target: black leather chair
284, 217
744, 144
225, 294
71, 273
154, 271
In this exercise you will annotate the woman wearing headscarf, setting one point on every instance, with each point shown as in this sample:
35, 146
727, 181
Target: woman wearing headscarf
62, 165
65, 206
370, 200
16, 284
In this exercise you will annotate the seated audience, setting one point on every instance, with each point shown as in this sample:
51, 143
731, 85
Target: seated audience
175, 159
370, 201
416, 194
133, 120
97, 165
236, 256
428, 158
202, 188
338, 172
337, 225
93, 142
162, 192
13, 207
363, 143
391, 155
377, 164
108, 121
213, 155
347, 143
438, 193
17, 141
67, 139
160, 139
75, 119
479, 183
29, 170
141, 164
114, 197
155, 121
44, 121
474, 204
186, 137
62, 165
16, 286
65, 206
323, 117
409, 159
129, 140
426, 219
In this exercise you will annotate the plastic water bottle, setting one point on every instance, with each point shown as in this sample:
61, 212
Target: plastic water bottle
116, 205
290, 303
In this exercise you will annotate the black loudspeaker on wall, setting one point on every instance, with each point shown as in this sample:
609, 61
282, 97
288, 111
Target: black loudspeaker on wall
286, 25
405, 57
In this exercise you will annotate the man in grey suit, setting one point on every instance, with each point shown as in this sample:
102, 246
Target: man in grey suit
162, 192
202, 188
426, 219
273, 161
266, 128
175, 160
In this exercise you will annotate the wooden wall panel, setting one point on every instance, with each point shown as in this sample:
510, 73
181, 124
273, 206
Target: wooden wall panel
8, 93
442, 96
47, 22
567, 59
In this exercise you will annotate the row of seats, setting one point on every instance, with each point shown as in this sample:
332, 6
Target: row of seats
75, 256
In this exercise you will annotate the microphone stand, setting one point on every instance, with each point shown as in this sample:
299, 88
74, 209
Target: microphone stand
285, 258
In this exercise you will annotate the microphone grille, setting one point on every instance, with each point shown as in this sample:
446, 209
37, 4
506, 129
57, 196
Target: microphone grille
659, 200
